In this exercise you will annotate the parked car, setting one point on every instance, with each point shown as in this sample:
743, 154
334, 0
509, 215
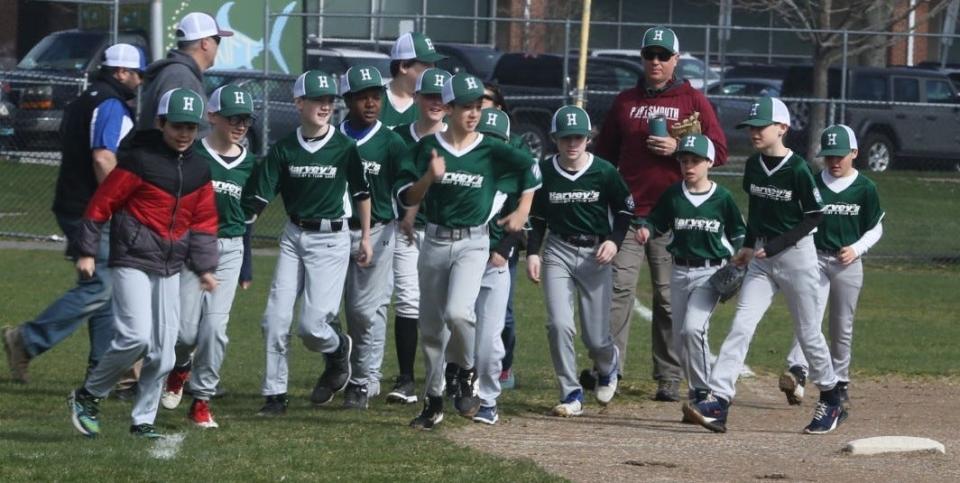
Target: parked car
50, 76
6, 117
336, 60
478, 60
889, 135
688, 66
535, 88
730, 112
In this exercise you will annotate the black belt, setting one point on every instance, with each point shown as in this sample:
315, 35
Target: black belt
698, 262
317, 225
582, 241
354, 223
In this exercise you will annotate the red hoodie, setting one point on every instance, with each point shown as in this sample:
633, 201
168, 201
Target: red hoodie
623, 138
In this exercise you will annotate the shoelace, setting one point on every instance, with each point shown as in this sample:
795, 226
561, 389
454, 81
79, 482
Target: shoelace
820, 412
89, 406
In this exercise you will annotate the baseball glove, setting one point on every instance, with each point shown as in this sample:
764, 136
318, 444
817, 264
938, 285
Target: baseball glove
727, 281
690, 125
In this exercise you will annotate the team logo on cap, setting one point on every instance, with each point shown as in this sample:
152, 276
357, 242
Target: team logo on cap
658, 35
365, 74
491, 119
690, 142
238, 98
571, 119
471, 83
832, 139
438, 80
188, 104
323, 81
754, 109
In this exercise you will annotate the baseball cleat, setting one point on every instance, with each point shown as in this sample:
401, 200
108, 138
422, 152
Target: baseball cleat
791, 383
355, 397
451, 380
146, 431
173, 389
588, 379
275, 405
431, 415
404, 391
487, 415
336, 375
826, 418
696, 396
571, 406
18, 359
201, 416
606, 388
710, 413
84, 408
667, 391
466, 401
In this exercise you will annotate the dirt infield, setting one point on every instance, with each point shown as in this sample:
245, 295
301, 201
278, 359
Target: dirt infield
644, 440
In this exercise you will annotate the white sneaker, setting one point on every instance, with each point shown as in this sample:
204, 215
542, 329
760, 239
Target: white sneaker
170, 399
605, 393
568, 409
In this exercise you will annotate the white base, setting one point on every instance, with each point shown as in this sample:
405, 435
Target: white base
893, 444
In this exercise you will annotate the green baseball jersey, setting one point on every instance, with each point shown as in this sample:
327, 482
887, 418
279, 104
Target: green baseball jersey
228, 180
408, 133
705, 225
509, 189
381, 151
581, 203
315, 179
391, 117
466, 194
847, 214
780, 197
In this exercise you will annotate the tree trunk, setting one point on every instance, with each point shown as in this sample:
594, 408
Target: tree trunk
818, 110
876, 17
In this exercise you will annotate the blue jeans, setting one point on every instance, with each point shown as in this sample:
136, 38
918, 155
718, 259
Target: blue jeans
509, 334
88, 300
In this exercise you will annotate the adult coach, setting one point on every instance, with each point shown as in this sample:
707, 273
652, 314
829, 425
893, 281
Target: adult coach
198, 38
648, 166
93, 126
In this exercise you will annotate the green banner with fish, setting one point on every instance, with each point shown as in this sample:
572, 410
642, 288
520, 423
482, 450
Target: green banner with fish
246, 48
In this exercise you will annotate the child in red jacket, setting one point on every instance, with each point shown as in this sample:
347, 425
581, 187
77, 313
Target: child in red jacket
161, 206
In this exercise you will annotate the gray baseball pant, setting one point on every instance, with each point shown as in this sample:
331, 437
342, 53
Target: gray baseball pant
693, 300
204, 317
367, 298
450, 273
626, 270
793, 271
840, 286
314, 265
568, 271
146, 308
491, 315
405, 280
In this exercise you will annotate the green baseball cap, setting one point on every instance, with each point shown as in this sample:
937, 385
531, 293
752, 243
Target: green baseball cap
766, 111
837, 140
570, 121
230, 100
313, 84
462, 89
494, 122
181, 105
698, 145
661, 37
415, 45
431, 81
360, 78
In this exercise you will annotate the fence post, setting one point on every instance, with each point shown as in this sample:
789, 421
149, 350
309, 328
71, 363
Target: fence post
843, 79
264, 121
566, 60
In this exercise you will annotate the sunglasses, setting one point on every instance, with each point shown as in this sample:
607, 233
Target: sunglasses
216, 38
661, 55
245, 121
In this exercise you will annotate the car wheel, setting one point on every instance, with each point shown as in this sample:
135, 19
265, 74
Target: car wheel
876, 153
535, 137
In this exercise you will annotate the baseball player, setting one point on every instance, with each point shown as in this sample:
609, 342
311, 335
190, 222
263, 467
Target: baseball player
707, 230
409, 235
368, 288
160, 204
580, 193
851, 226
316, 170
411, 54
785, 208
456, 173
204, 315
496, 286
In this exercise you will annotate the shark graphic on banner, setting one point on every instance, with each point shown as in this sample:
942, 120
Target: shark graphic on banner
238, 51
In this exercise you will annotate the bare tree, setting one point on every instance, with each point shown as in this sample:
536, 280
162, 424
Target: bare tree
821, 22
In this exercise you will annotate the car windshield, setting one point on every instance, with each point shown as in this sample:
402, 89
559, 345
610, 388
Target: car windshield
693, 69
67, 51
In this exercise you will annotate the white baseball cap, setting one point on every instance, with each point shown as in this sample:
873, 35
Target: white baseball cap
124, 55
199, 25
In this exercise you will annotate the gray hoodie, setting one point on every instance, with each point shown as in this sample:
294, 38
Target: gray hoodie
177, 70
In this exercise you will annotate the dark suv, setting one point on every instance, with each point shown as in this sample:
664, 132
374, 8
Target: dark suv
535, 88
889, 135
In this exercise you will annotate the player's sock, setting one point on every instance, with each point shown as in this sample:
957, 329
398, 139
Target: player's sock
405, 332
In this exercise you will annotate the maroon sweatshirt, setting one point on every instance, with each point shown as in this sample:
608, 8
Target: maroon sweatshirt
623, 138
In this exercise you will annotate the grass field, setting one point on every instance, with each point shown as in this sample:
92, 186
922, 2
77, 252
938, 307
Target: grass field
920, 206
907, 324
